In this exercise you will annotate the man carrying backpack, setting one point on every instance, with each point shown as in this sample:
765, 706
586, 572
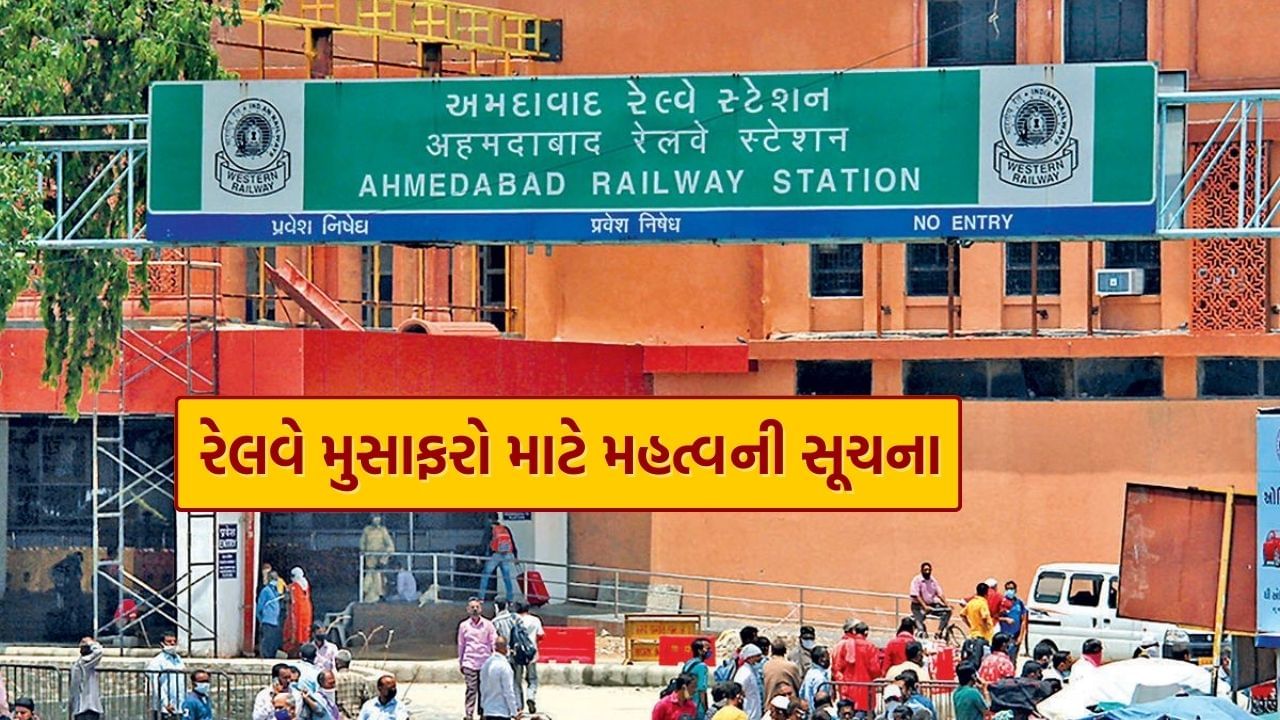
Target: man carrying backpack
696, 666
526, 631
501, 547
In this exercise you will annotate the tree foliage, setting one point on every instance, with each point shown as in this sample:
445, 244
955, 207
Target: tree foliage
84, 57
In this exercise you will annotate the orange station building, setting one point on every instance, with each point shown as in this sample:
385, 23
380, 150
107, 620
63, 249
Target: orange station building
1068, 395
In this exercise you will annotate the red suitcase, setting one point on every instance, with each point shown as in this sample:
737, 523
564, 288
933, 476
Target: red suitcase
535, 590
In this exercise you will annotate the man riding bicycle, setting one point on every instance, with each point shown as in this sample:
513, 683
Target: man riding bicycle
927, 600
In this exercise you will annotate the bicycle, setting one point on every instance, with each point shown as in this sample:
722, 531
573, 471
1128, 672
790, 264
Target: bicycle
953, 634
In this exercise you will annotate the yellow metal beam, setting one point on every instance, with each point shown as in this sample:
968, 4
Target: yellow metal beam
476, 29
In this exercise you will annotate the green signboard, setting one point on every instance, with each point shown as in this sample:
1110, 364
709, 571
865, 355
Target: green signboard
1003, 152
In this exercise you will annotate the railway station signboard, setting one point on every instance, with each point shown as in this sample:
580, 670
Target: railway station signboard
1014, 152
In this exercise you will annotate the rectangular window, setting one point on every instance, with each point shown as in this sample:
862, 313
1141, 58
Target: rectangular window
1017, 268
492, 269
833, 377
260, 301
1230, 377
1271, 378
376, 290
1049, 588
927, 270
972, 32
835, 270
1085, 590
1031, 379
1106, 30
966, 378
1139, 254
1119, 377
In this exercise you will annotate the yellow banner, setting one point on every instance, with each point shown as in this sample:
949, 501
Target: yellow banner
568, 454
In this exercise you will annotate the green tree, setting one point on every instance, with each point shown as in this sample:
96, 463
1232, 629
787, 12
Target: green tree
84, 57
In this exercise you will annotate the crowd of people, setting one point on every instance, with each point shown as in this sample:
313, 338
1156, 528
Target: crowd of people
856, 678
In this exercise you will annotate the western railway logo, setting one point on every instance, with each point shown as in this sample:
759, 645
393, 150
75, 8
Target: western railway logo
1036, 149
253, 161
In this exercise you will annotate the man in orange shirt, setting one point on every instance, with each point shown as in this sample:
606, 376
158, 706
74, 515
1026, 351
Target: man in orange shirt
856, 660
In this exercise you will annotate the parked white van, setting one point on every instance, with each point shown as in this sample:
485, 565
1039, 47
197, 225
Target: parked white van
1072, 602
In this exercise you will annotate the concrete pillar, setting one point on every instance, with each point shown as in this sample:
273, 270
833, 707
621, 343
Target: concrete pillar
4, 504
213, 571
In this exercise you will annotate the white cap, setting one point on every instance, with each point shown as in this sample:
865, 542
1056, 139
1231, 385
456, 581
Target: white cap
992, 582
749, 651
1148, 640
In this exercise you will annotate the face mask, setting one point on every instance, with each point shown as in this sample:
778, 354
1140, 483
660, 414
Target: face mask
202, 688
391, 695
808, 644
318, 642
331, 694
170, 649
377, 521
1009, 594
86, 649
282, 714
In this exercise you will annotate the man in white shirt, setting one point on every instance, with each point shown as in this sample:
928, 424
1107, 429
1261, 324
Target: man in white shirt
753, 704
497, 684
529, 673
264, 703
170, 681
385, 706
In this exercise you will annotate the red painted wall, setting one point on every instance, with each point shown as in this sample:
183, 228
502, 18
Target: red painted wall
327, 363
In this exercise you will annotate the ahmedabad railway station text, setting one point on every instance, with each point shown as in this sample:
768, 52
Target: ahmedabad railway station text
648, 183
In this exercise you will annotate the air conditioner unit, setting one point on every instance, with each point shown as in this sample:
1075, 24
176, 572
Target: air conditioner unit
1118, 281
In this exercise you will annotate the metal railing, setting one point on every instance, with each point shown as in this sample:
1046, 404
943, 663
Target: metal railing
937, 691
130, 692
619, 591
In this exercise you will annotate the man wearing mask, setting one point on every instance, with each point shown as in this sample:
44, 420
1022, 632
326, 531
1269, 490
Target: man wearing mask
86, 694
800, 654
476, 636
501, 547
326, 652
197, 705
856, 660
1013, 613
264, 706
679, 704
322, 703
283, 707
818, 677
385, 706
751, 682
354, 689
167, 672
375, 539
268, 612
1090, 659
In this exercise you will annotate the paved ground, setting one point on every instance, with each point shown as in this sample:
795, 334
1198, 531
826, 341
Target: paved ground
431, 701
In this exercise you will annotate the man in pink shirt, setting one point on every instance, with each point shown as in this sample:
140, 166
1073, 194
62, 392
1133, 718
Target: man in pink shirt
475, 645
927, 600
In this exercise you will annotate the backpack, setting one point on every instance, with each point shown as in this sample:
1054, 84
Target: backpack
974, 651
501, 542
727, 668
523, 651
671, 684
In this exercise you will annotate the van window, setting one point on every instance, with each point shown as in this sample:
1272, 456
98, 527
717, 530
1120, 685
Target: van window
1113, 595
1085, 590
1049, 588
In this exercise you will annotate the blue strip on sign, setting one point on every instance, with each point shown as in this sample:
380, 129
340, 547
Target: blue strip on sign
672, 226
1267, 641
